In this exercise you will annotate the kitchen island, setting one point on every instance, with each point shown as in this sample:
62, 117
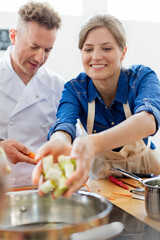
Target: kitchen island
122, 198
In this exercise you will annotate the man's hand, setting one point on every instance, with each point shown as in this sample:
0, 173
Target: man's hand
16, 152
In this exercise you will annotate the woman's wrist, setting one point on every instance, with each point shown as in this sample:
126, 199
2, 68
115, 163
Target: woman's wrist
100, 141
61, 135
94, 143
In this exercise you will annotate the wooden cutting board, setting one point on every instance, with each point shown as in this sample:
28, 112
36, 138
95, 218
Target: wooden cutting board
130, 182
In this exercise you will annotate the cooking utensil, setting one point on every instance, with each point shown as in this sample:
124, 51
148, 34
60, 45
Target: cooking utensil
152, 193
145, 175
130, 182
116, 181
29, 216
138, 193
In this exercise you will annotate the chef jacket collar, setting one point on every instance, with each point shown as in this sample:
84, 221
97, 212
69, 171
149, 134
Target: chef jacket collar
8, 73
7, 59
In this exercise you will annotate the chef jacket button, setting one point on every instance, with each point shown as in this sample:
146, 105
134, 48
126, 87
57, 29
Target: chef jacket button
37, 96
112, 123
43, 125
94, 131
106, 107
11, 123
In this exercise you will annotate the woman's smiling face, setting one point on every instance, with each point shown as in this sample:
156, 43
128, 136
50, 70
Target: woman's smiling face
101, 55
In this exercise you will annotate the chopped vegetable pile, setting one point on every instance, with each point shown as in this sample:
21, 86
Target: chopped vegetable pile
56, 174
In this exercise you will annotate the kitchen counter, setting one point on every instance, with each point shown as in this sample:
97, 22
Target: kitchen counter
133, 206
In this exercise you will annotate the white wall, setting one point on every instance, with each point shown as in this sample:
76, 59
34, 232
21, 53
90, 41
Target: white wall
143, 40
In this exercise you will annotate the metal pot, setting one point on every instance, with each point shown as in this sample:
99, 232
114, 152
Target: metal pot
30, 217
152, 193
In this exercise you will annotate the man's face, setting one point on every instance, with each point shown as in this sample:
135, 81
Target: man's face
32, 46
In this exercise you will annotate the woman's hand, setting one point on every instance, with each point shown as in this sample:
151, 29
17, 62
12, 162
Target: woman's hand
83, 150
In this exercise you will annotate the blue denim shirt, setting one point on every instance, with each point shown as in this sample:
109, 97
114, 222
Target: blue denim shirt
139, 85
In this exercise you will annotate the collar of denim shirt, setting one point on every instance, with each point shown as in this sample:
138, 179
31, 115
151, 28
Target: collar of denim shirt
122, 91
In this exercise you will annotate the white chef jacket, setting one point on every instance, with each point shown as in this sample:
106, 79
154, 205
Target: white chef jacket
27, 111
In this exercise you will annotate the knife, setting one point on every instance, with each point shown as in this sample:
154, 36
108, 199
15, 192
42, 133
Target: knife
116, 181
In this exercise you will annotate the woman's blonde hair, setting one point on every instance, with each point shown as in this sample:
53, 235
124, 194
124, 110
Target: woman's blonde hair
108, 21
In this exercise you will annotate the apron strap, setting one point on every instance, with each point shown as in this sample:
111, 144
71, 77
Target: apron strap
90, 117
127, 110
128, 113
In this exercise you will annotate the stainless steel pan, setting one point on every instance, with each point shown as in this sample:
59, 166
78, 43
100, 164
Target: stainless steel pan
152, 193
30, 217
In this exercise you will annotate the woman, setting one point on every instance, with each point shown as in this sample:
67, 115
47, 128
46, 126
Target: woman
120, 107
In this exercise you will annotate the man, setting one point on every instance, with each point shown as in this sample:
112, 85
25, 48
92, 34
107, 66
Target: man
29, 93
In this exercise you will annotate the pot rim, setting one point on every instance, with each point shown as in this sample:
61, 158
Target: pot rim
98, 217
151, 180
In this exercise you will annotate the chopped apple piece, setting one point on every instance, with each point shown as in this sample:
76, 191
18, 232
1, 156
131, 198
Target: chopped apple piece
47, 186
61, 187
68, 169
47, 163
53, 174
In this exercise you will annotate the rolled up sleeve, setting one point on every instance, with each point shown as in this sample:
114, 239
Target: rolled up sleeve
147, 99
65, 127
148, 107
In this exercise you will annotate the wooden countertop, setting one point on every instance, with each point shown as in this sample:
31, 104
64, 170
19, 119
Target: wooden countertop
133, 206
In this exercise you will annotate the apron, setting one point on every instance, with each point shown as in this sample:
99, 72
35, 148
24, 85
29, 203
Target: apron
135, 157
